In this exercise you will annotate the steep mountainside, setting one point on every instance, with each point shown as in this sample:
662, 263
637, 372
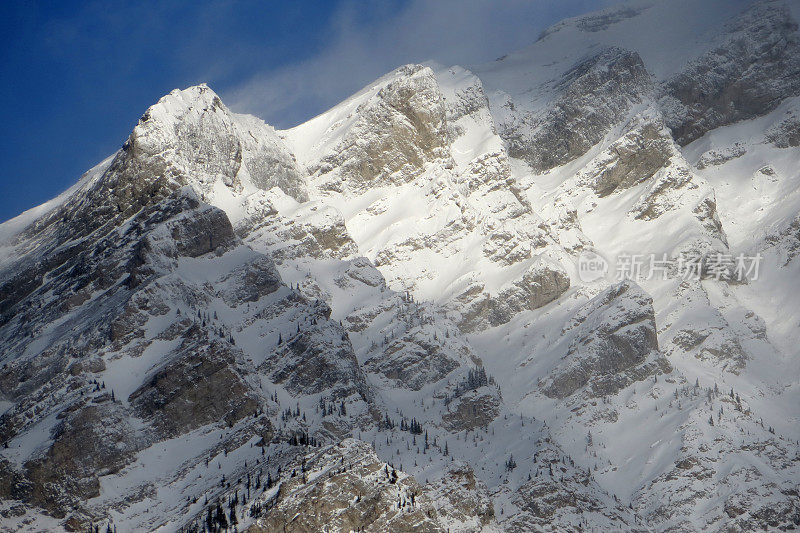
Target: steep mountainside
381, 318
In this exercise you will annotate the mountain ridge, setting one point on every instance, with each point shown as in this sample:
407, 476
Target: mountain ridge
379, 313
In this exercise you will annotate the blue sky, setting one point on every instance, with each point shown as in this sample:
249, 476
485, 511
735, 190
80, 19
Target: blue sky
76, 76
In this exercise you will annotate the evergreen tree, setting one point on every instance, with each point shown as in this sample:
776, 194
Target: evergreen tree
511, 464
210, 516
222, 520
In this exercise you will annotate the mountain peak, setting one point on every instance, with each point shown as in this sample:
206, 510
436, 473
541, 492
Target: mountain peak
178, 103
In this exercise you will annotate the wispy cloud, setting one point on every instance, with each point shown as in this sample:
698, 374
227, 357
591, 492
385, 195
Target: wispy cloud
364, 41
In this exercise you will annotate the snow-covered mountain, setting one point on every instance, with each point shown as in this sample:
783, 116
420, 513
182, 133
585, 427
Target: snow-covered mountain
380, 319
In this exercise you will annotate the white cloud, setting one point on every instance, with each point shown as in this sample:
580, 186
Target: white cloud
363, 45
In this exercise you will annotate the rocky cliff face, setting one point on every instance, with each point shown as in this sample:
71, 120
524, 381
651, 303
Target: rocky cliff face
747, 75
376, 320
389, 137
593, 95
346, 488
614, 345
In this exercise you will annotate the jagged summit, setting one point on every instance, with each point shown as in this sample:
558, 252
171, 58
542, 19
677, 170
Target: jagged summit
180, 101
378, 319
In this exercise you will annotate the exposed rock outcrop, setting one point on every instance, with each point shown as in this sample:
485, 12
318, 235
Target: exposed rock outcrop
390, 137
543, 282
593, 96
614, 344
346, 488
745, 76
